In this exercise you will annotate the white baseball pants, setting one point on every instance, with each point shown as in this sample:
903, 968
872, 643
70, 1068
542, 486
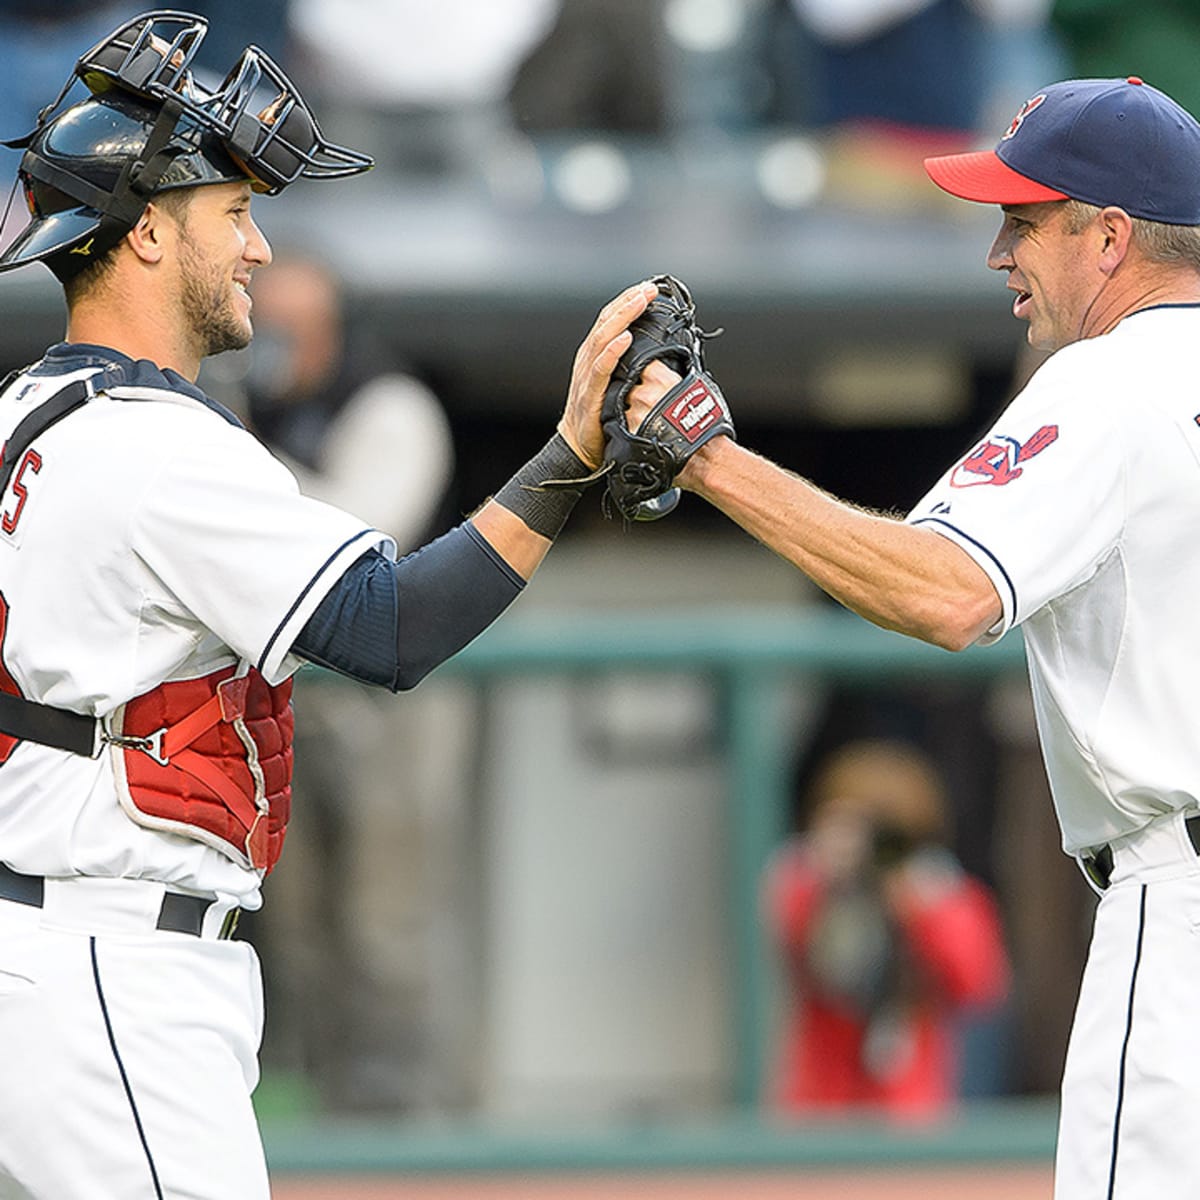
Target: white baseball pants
1130, 1122
127, 1055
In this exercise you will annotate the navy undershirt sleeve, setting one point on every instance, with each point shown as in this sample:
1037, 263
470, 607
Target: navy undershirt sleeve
391, 623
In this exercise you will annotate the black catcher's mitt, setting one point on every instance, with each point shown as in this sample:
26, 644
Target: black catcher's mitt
641, 464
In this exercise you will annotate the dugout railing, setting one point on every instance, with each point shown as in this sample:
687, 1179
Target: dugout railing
747, 654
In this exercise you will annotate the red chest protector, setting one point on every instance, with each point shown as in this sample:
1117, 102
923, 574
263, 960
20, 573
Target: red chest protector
210, 759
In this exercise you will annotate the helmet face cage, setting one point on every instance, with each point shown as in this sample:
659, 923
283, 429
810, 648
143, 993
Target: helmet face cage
255, 126
256, 110
153, 50
280, 141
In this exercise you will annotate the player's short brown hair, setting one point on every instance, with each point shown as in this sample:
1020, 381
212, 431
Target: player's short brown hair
1158, 241
174, 202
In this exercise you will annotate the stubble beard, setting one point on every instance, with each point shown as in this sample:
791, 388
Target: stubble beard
207, 306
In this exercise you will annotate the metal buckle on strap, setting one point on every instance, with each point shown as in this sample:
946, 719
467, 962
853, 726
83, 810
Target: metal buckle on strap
151, 744
1191, 826
1099, 867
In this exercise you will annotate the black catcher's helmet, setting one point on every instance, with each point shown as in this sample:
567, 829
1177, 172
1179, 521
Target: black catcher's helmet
148, 126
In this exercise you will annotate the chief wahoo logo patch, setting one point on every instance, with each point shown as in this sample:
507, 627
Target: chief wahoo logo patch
997, 461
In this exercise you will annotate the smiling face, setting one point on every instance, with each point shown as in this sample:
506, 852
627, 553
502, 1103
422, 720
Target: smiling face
219, 246
1052, 266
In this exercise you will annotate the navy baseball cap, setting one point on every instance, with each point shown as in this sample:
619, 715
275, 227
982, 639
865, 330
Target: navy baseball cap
1102, 141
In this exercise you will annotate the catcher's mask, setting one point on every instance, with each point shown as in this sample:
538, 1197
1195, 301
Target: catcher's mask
149, 126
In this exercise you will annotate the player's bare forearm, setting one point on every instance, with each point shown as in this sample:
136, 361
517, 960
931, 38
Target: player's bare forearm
898, 576
511, 538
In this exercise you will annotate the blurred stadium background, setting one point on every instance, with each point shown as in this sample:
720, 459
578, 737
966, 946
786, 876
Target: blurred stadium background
600, 780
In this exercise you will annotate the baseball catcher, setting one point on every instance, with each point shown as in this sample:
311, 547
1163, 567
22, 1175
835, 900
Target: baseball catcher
162, 579
640, 465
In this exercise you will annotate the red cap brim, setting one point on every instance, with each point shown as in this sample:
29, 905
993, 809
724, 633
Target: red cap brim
982, 176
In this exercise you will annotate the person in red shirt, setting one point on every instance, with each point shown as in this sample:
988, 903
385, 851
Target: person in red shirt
885, 940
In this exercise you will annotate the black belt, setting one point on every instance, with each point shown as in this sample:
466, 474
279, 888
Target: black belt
178, 914
1099, 866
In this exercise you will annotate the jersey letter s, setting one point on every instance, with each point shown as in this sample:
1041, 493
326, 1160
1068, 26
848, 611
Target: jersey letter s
20, 490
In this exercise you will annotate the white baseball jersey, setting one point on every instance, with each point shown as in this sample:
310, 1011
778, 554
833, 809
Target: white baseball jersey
144, 538
1081, 505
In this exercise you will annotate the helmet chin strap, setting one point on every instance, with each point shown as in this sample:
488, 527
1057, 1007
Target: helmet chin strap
140, 177
120, 208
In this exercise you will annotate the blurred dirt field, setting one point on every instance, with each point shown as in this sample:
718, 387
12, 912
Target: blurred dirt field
973, 1183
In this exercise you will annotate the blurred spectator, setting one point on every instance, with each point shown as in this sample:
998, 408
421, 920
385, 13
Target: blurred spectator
886, 941
909, 63
366, 438
600, 67
423, 84
891, 81
347, 934
1158, 40
234, 25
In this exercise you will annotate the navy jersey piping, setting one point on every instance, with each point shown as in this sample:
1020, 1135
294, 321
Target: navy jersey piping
1121, 1077
122, 371
981, 548
120, 1065
308, 587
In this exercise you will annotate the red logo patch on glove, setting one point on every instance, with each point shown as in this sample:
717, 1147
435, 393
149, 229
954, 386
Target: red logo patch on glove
696, 410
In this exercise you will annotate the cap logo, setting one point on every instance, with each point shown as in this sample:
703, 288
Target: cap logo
1024, 111
86, 248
